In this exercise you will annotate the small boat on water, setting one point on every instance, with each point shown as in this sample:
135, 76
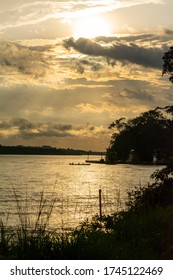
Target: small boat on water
80, 163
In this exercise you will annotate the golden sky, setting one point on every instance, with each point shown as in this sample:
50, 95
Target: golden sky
70, 68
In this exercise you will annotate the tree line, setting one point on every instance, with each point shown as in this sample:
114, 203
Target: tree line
42, 150
147, 136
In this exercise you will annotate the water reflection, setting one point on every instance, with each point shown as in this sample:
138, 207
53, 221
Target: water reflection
75, 188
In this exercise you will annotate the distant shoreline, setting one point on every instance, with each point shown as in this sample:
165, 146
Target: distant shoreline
43, 150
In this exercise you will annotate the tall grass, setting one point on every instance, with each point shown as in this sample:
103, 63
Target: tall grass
30, 239
5, 239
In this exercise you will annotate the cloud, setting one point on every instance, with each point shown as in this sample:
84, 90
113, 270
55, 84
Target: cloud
50, 62
30, 61
137, 94
87, 107
91, 131
84, 64
124, 99
26, 129
144, 56
168, 32
128, 38
18, 13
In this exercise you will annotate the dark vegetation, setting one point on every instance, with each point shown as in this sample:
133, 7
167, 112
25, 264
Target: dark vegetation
148, 135
168, 64
43, 150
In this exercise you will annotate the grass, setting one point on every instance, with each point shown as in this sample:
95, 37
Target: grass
143, 231
28, 240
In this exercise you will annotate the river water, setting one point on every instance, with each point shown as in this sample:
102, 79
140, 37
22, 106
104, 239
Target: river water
23, 180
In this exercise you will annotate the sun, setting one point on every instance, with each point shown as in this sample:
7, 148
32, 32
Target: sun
91, 27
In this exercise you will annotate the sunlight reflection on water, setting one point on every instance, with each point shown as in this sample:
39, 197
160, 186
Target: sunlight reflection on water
75, 188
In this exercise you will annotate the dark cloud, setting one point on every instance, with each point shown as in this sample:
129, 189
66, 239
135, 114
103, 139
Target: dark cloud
28, 129
23, 124
137, 94
4, 125
63, 127
96, 67
46, 133
147, 57
84, 64
81, 65
79, 68
159, 38
127, 38
27, 60
113, 83
168, 32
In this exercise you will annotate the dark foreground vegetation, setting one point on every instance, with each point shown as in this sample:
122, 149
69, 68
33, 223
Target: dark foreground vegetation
143, 231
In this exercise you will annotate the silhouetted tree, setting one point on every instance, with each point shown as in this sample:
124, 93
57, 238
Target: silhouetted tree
149, 133
168, 64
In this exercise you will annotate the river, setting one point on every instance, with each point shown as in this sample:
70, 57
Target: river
24, 178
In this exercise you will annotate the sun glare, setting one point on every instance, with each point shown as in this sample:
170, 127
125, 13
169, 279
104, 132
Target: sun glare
91, 27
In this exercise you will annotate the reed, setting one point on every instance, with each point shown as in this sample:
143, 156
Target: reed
28, 239
5, 240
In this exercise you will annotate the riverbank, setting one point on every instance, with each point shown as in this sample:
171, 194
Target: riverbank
43, 150
143, 231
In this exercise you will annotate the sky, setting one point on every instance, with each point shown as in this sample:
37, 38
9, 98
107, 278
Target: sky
70, 68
